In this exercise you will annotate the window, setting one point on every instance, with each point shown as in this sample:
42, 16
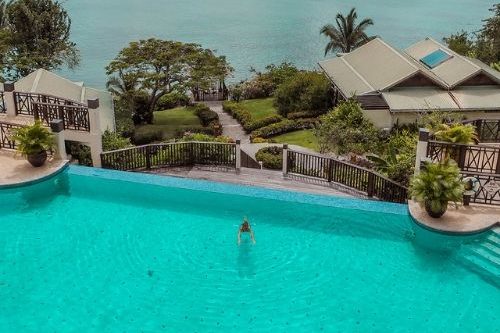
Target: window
435, 58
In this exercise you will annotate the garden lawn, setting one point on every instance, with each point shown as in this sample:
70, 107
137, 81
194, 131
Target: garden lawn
170, 122
260, 108
304, 138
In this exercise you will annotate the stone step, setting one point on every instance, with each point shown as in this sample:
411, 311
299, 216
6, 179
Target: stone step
487, 255
481, 265
493, 248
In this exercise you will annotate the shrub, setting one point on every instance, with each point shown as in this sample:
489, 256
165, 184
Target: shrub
113, 141
282, 127
304, 92
259, 140
253, 125
305, 114
79, 152
172, 100
264, 84
346, 130
147, 135
205, 138
457, 133
271, 157
201, 130
206, 115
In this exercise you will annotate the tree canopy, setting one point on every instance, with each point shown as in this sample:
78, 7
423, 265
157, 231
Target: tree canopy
155, 67
35, 34
483, 44
346, 35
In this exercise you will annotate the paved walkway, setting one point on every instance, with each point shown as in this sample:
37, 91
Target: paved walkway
16, 170
230, 127
256, 177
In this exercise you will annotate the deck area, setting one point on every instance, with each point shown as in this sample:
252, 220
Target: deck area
464, 220
15, 170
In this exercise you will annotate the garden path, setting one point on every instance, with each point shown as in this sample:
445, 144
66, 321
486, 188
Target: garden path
230, 126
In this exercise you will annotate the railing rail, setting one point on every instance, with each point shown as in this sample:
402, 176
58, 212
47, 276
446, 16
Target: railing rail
74, 117
24, 102
361, 179
6, 129
488, 130
170, 155
470, 158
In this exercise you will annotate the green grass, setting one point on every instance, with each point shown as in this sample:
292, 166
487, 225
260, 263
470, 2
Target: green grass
260, 108
304, 138
170, 122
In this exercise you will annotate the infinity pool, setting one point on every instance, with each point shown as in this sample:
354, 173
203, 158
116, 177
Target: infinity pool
102, 251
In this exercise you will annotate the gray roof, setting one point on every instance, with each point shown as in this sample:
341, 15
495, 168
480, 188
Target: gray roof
378, 68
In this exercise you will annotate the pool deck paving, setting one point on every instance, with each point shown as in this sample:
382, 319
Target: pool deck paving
255, 177
15, 169
461, 220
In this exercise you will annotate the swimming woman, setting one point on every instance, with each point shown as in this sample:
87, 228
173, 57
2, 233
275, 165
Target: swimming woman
245, 227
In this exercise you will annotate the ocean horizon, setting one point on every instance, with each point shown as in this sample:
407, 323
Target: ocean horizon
253, 33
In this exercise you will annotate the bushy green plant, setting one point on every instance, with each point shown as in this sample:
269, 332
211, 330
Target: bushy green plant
432, 120
436, 185
244, 117
304, 92
113, 141
256, 124
205, 138
171, 100
33, 139
79, 152
457, 133
271, 157
206, 115
346, 130
147, 135
398, 159
282, 127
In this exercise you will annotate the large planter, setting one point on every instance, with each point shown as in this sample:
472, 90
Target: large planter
37, 160
433, 213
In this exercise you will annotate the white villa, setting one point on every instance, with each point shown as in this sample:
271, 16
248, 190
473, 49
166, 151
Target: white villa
74, 111
393, 86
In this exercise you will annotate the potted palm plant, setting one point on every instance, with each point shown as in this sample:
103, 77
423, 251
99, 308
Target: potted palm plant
34, 141
436, 185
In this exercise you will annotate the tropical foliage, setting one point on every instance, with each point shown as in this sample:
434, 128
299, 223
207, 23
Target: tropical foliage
436, 185
457, 133
113, 141
35, 34
346, 34
304, 92
33, 139
346, 130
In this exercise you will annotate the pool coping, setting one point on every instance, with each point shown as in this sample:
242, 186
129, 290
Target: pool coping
428, 223
63, 165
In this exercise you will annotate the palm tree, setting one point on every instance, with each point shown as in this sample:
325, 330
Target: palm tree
346, 36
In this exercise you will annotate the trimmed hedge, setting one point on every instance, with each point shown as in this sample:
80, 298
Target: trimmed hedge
206, 115
271, 157
305, 114
244, 117
282, 127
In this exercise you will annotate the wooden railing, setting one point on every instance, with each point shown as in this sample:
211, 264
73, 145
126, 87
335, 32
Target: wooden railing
24, 102
74, 117
488, 130
170, 155
479, 161
360, 179
470, 158
6, 135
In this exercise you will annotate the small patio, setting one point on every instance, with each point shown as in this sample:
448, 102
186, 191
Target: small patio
16, 170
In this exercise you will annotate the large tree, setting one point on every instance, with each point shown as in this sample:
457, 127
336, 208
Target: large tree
154, 68
35, 34
346, 34
483, 44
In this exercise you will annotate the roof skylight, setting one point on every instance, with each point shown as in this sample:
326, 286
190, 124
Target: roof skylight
435, 58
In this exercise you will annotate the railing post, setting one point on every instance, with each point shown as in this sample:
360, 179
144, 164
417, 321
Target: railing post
9, 99
57, 128
330, 170
148, 157
238, 155
462, 150
371, 185
285, 160
422, 145
479, 124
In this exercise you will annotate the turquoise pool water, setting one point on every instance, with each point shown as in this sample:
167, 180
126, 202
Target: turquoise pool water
102, 251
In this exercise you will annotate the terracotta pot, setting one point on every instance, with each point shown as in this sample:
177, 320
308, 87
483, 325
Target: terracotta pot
37, 160
434, 214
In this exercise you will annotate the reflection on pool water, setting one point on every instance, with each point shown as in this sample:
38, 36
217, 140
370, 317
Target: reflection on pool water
95, 250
